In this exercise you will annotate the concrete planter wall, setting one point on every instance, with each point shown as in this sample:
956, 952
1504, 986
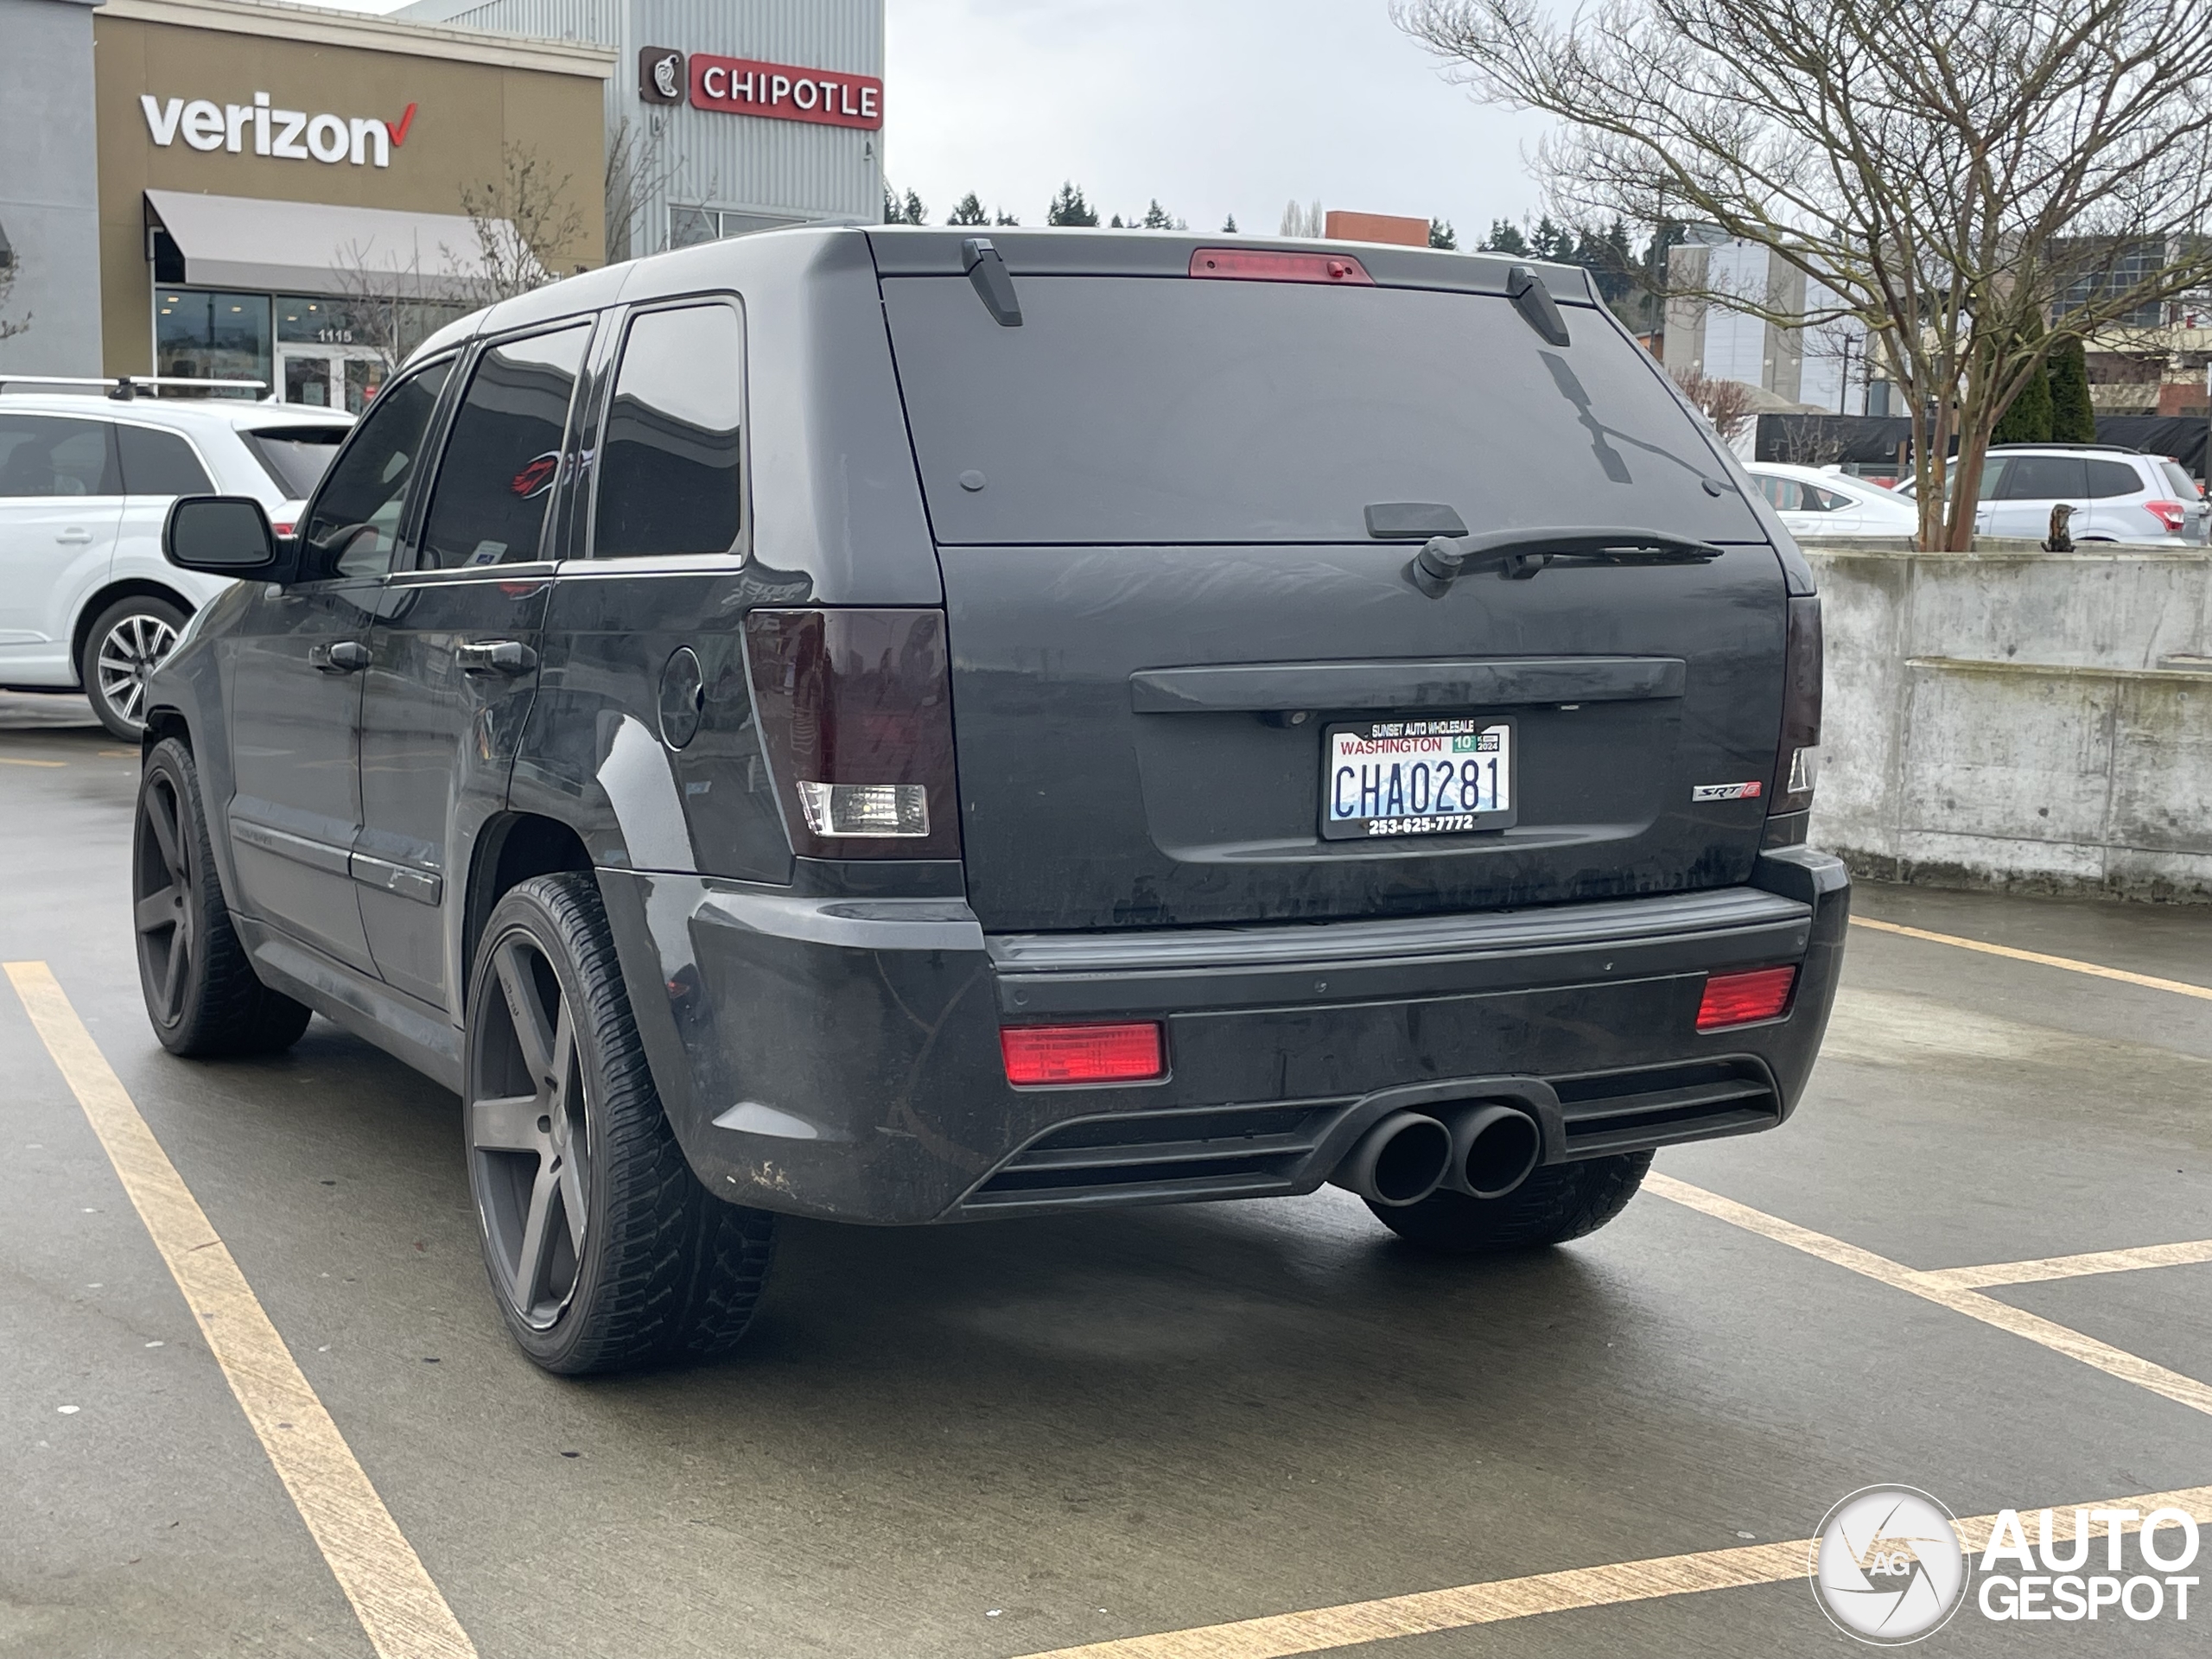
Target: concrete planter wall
2009, 717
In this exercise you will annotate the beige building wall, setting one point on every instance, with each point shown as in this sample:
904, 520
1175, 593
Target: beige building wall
478, 97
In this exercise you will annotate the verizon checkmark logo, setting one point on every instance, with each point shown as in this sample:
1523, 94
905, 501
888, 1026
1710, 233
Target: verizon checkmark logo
261, 128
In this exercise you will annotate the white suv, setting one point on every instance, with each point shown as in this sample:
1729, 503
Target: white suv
85, 597
2117, 494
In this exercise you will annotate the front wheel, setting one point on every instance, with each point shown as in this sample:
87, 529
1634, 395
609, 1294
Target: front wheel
129, 640
603, 1249
1556, 1202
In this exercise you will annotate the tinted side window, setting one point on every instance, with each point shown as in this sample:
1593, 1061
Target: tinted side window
354, 524
2043, 478
53, 454
2111, 478
1993, 478
1781, 493
497, 477
159, 463
668, 470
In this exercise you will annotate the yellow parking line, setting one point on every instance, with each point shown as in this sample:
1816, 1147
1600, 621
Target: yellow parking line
2178, 986
14, 761
399, 1607
1936, 1288
2186, 1253
1426, 1613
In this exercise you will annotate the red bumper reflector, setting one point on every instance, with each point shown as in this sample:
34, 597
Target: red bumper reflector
1129, 1054
1264, 265
1740, 999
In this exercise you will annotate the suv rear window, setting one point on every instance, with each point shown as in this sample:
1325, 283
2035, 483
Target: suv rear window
1148, 410
2177, 478
294, 457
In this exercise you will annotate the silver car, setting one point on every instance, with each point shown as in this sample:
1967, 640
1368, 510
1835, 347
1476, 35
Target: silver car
2117, 494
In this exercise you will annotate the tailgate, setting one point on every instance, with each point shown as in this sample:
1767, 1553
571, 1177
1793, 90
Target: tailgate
1178, 657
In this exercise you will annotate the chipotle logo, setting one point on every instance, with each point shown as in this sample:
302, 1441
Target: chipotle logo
781, 91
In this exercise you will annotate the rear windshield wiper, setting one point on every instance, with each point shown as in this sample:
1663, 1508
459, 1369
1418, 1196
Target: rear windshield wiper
1517, 554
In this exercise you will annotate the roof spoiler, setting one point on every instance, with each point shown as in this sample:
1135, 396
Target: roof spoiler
124, 387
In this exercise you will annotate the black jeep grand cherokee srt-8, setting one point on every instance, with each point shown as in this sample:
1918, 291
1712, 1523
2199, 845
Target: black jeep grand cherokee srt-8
901, 727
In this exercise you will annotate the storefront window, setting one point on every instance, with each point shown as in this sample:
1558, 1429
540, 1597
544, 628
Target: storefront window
337, 352
204, 335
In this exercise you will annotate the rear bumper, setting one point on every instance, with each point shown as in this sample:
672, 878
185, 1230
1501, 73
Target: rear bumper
839, 1056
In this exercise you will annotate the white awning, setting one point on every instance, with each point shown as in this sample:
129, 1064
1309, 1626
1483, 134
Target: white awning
313, 247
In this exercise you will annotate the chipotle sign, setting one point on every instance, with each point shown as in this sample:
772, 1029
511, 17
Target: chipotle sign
748, 86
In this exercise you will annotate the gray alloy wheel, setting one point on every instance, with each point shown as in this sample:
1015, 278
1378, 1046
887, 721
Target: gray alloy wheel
128, 642
529, 1134
603, 1249
201, 992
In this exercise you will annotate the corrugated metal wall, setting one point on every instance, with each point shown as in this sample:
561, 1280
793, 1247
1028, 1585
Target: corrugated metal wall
745, 163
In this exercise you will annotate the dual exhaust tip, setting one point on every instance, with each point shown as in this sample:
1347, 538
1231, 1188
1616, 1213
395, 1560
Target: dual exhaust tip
1483, 1150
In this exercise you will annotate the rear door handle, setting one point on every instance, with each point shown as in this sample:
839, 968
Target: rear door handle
345, 658
75, 536
495, 657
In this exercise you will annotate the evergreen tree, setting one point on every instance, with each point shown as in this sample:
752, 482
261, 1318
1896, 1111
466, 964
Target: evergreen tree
1505, 238
1157, 218
1069, 208
893, 214
1229, 226
2073, 416
916, 214
1441, 235
969, 212
2026, 419
1116, 223
1005, 218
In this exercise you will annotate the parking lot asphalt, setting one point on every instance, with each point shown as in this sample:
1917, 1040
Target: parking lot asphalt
1021, 1437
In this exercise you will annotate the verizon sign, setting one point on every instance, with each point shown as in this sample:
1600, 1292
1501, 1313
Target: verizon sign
287, 135
782, 92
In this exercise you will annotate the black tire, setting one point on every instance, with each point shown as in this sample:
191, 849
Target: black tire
1556, 1202
127, 642
202, 992
560, 1119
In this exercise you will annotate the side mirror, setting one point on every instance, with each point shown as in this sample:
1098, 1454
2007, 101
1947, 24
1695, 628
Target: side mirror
221, 535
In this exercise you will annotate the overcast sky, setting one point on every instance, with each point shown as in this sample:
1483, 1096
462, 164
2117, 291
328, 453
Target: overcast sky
1214, 106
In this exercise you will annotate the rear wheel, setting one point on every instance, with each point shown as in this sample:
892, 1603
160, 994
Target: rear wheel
128, 642
200, 990
603, 1249
1556, 1202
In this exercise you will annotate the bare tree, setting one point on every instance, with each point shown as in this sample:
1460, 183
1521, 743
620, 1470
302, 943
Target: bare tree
640, 170
1730, 405
1974, 183
380, 290
10, 263
525, 221
1301, 222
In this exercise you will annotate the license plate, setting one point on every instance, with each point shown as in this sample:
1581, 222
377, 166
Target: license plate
1416, 777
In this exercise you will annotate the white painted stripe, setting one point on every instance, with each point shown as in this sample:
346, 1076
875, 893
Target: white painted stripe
1426, 1612
1935, 1287
2185, 1254
399, 1607
2178, 986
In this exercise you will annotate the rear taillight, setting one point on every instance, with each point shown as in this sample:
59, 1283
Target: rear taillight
855, 714
1745, 999
1060, 1054
1265, 265
2171, 514
1797, 767
280, 529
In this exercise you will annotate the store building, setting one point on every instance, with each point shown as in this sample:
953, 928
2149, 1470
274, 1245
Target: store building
285, 193
727, 115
